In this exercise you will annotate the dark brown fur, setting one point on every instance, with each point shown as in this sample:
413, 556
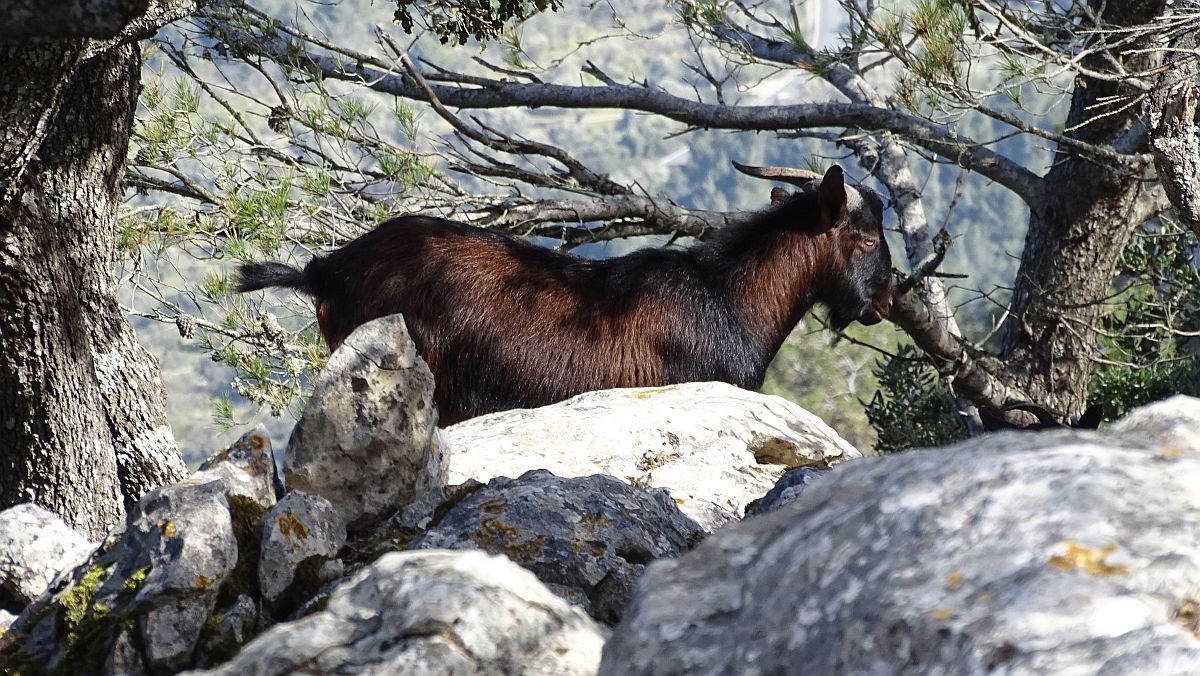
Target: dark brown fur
505, 324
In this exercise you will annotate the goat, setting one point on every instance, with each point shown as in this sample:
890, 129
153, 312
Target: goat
506, 324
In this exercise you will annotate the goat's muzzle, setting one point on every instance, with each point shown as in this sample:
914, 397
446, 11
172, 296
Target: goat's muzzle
879, 308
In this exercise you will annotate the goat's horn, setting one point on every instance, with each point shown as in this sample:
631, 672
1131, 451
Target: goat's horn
800, 177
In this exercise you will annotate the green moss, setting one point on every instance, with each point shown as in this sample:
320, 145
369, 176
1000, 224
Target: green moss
245, 515
304, 586
91, 627
78, 600
20, 663
135, 581
317, 606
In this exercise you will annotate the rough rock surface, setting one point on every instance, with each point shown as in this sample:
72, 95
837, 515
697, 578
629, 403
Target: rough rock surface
431, 613
786, 490
297, 529
587, 538
246, 468
159, 579
366, 439
233, 627
715, 447
35, 545
1054, 553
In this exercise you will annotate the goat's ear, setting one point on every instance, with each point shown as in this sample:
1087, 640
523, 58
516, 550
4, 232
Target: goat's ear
831, 196
779, 196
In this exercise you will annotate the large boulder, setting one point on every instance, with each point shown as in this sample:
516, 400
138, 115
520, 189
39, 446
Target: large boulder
587, 538
35, 545
1051, 552
366, 440
714, 446
433, 612
300, 534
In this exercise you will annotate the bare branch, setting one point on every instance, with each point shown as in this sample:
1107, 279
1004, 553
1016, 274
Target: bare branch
502, 94
667, 216
972, 372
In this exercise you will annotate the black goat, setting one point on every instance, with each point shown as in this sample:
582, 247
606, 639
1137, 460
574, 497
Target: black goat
506, 324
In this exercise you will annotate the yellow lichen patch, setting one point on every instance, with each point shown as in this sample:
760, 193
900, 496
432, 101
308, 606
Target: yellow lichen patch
1088, 559
679, 501
494, 506
256, 442
168, 528
1171, 453
590, 522
646, 394
954, 581
203, 582
942, 613
497, 536
1188, 617
291, 528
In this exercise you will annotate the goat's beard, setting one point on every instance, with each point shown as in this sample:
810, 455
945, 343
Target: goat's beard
864, 314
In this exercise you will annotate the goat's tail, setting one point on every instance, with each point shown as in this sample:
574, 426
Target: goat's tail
255, 276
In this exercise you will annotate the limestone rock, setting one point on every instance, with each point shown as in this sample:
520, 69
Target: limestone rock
159, 577
1019, 553
300, 529
246, 468
714, 446
432, 612
586, 538
786, 490
35, 545
236, 625
366, 439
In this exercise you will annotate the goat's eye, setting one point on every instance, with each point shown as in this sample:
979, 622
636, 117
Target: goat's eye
869, 242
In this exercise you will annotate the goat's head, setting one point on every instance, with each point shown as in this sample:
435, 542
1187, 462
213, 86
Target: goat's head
859, 268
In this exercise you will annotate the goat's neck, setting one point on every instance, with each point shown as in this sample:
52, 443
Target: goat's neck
772, 282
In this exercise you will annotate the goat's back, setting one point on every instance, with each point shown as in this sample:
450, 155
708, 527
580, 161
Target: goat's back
507, 324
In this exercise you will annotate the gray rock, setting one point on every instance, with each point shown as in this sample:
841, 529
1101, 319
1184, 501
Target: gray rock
159, 577
786, 490
714, 446
238, 624
35, 545
366, 439
295, 530
435, 612
246, 468
124, 658
588, 538
1017, 553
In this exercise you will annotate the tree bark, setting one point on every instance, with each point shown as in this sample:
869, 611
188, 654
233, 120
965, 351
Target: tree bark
83, 428
1075, 239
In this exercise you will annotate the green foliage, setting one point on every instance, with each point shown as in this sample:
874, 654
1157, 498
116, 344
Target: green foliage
912, 406
460, 20
1148, 343
829, 377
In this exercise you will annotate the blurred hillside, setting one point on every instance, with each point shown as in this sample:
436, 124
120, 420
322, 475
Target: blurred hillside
640, 41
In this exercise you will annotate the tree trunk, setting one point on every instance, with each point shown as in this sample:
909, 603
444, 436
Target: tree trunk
1076, 237
83, 429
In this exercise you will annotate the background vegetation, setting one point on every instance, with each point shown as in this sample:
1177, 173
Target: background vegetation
210, 126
